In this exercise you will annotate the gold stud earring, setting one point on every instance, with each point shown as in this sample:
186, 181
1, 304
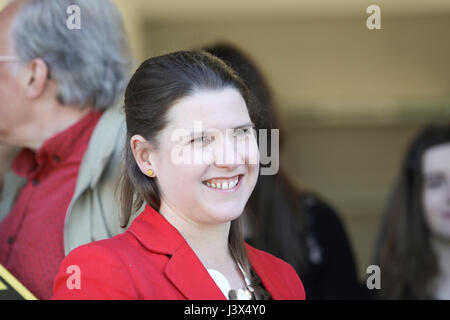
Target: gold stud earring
149, 172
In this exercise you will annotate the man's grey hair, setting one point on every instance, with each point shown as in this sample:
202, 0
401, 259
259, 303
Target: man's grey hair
91, 65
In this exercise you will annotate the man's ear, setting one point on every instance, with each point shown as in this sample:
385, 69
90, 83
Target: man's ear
142, 152
36, 78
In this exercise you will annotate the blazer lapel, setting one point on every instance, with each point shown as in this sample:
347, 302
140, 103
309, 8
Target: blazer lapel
189, 276
184, 270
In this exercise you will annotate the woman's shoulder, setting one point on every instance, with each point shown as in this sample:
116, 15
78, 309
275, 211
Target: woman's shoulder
106, 248
94, 270
115, 253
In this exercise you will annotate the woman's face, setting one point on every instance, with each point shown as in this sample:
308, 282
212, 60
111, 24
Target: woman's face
207, 162
436, 189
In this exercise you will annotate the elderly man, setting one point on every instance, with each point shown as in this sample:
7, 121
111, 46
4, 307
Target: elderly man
59, 101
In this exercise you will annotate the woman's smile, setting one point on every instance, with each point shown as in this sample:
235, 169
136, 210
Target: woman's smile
224, 184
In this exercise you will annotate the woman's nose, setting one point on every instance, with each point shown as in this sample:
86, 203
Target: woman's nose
227, 153
448, 193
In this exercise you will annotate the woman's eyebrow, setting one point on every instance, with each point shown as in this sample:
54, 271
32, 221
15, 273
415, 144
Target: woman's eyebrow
246, 125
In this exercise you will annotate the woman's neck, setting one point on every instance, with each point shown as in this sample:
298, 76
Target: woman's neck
441, 248
209, 242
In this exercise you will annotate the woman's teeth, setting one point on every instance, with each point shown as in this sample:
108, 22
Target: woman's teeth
224, 185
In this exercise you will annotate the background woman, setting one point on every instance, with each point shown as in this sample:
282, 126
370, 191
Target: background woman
413, 249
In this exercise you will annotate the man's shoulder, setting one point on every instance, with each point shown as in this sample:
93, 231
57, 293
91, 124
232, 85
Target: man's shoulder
94, 210
105, 144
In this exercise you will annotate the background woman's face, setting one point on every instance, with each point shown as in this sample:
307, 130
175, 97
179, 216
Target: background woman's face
436, 189
208, 160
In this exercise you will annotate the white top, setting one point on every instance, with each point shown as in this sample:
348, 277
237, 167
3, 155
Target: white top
224, 284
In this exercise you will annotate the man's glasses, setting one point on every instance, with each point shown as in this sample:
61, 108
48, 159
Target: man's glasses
17, 59
10, 59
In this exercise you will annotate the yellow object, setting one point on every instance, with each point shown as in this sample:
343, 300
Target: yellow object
6, 276
149, 172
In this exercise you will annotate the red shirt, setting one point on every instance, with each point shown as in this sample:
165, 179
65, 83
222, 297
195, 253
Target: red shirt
152, 260
31, 235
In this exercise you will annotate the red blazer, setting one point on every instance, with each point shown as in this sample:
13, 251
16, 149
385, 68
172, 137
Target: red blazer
151, 260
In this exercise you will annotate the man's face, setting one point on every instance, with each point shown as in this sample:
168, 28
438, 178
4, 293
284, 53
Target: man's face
13, 111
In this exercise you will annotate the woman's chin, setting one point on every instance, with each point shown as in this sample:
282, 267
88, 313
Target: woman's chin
223, 216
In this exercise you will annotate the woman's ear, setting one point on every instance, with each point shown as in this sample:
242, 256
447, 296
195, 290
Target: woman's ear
142, 152
36, 78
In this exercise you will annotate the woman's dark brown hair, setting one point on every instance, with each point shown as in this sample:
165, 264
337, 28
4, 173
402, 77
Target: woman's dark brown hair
276, 215
403, 252
156, 86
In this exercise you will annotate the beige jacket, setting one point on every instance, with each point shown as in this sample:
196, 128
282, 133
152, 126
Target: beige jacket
93, 213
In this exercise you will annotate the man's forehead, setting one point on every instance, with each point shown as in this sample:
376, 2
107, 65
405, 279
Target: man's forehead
7, 12
6, 18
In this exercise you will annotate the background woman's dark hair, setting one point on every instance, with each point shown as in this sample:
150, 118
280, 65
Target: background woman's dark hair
404, 253
157, 85
277, 217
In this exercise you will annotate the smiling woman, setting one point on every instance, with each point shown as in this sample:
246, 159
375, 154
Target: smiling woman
187, 242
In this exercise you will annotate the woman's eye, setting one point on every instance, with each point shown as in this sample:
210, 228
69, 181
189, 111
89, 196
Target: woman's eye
434, 183
202, 139
242, 131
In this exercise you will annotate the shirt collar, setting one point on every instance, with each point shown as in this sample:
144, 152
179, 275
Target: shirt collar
54, 150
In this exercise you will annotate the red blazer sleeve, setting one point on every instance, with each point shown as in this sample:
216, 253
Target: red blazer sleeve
93, 272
